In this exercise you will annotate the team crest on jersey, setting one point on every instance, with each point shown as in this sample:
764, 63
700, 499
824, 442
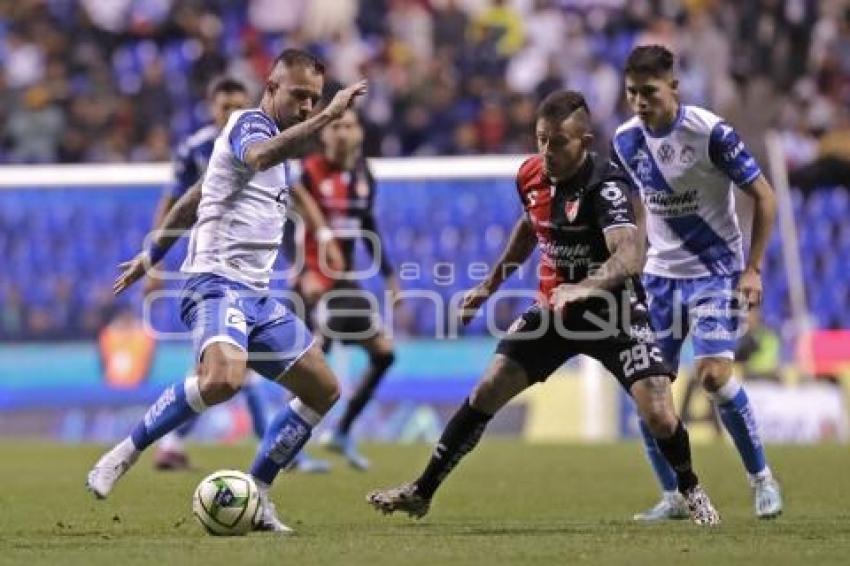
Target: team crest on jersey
666, 153
234, 318
688, 155
571, 209
643, 166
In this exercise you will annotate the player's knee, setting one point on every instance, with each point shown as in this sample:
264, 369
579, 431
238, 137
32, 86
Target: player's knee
220, 379
218, 385
713, 373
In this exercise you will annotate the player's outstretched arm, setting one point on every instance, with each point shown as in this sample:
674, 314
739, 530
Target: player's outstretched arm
520, 245
178, 220
625, 261
261, 155
764, 216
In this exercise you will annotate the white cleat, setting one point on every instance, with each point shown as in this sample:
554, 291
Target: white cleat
767, 497
110, 468
672, 506
268, 521
702, 511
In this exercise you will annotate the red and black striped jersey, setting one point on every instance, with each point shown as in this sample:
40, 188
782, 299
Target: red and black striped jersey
346, 198
570, 218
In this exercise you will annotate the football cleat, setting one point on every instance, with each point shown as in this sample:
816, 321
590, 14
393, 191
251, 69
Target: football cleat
343, 444
305, 464
767, 497
403, 498
110, 468
672, 506
702, 511
267, 520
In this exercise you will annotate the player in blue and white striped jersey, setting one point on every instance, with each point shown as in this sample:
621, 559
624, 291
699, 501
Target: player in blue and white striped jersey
685, 160
238, 213
225, 95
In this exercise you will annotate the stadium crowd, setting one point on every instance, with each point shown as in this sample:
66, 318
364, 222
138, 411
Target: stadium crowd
124, 80
93, 81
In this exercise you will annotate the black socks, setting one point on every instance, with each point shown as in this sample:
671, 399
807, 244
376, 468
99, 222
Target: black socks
459, 437
677, 451
378, 366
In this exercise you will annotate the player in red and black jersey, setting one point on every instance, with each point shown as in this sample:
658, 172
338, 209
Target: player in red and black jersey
590, 302
339, 182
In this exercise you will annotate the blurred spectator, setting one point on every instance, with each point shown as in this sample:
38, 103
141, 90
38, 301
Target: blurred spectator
155, 148
450, 25
436, 67
503, 23
34, 129
267, 17
832, 165
411, 24
24, 61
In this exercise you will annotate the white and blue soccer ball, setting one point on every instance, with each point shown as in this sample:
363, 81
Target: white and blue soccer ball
227, 503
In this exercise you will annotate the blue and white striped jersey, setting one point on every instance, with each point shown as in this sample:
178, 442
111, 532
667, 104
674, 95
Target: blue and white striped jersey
685, 176
241, 214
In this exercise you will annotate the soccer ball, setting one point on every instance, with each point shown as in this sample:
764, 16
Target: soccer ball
227, 503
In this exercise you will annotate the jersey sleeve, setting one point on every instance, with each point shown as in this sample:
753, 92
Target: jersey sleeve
616, 164
728, 153
184, 173
250, 128
612, 204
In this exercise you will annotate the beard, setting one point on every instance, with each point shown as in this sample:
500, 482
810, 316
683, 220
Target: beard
288, 121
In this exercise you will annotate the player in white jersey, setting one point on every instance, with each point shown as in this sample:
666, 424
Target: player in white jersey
225, 96
684, 160
236, 323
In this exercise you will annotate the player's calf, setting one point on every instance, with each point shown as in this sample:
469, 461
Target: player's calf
316, 389
655, 405
738, 418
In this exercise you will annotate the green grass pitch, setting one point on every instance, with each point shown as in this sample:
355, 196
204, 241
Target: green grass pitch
507, 503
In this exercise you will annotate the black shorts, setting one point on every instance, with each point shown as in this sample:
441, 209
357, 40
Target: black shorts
347, 313
626, 347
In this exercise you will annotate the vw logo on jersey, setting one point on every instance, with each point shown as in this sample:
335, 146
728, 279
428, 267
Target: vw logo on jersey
571, 209
666, 153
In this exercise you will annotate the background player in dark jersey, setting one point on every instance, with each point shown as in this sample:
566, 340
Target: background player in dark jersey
339, 181
578, 212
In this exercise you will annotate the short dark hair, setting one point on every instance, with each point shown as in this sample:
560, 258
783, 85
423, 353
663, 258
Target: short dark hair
226, 85
650, 60
292, 57
561, 104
